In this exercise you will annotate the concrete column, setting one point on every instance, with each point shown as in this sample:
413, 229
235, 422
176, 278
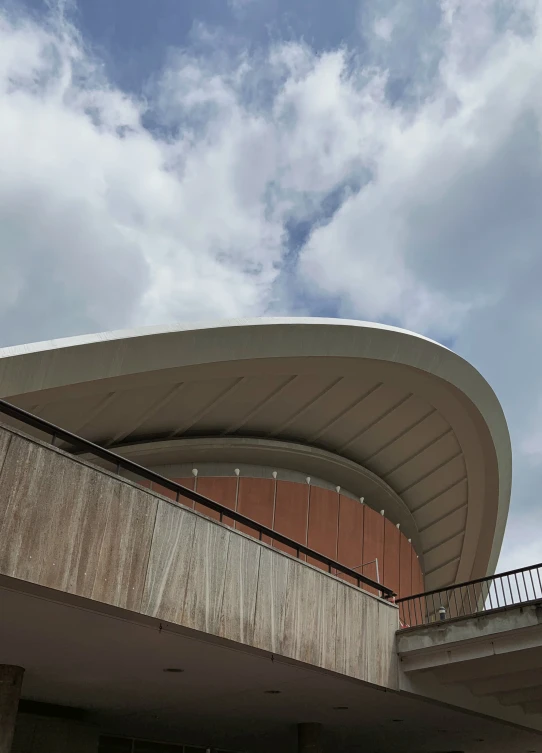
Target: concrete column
11, 679
309, 738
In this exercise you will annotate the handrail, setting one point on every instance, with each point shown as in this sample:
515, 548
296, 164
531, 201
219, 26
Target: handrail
473, 597
182, 491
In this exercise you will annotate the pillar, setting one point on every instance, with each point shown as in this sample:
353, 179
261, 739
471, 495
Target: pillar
11, 679
309, 738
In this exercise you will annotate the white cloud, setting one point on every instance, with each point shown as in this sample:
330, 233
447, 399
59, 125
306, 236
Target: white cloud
119, 211
383, 28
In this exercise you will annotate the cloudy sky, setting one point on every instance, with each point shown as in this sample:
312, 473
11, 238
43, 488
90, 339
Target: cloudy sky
169, 161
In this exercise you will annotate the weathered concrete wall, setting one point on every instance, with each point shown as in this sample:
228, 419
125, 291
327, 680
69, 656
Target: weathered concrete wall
69, 526
491, 663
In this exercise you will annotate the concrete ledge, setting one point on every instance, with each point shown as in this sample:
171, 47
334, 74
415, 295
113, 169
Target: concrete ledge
495, 625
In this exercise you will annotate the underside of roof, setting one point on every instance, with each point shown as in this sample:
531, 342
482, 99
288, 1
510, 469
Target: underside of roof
382, 412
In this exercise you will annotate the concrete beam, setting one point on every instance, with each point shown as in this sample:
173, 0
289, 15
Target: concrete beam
489, 664
532, 707
504, 683
514, 697
456, 633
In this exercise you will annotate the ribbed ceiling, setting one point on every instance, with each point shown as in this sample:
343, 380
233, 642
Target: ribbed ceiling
392, 419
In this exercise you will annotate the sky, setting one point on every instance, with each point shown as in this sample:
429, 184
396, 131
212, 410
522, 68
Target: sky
181, 160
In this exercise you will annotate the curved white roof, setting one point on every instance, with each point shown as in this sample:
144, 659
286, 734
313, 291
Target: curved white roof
386, 413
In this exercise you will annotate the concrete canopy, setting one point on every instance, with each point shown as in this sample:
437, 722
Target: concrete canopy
386, 414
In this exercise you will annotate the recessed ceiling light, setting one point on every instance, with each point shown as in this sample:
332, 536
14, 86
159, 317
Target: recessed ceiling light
272, 692
173, 670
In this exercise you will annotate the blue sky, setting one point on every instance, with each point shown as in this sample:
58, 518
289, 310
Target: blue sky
134, 37
170, 161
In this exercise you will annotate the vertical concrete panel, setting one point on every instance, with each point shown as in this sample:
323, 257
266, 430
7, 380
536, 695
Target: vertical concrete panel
5, 439
169, 563
373, 657
291, 512
106, 523
44, 492
350, 550
350, 637
256, 498
20, 510
373, 543
365, 638
323, 523
388, 624
392, 544
222, 490
270, 610
126, 545
241, 583
311, 600
205, 582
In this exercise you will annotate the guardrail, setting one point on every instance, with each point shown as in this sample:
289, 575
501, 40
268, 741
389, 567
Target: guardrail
119, 463
495, 592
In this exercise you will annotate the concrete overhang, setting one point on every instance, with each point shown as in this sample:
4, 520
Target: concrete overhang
386, 408
110, 662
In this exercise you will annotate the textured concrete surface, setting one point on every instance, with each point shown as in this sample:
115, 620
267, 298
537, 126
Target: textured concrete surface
496, 656
75, 528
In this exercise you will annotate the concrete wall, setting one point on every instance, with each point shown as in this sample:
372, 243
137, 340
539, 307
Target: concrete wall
326, 520
69, 526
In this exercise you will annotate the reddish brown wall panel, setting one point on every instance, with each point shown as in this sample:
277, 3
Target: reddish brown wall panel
291, 512
221, 490
390, 571
405, 567
418, 605
323, 523
417, 577
350, 550
373, 543
256, 499
336, 525
189, 483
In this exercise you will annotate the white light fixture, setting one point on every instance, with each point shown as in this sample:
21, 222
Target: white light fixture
274, 474
237, 471
194, 471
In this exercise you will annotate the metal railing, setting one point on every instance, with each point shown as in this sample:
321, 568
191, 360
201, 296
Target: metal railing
120, 463
493, 593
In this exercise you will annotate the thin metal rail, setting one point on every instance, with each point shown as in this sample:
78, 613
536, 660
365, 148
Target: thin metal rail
119, 462
492, 593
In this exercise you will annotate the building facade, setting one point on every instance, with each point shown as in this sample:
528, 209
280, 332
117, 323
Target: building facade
357, 449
